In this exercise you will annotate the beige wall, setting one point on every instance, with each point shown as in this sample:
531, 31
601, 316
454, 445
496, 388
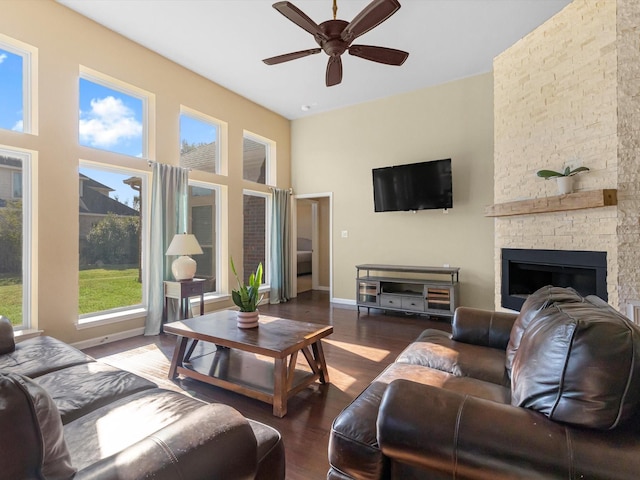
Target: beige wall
66, 40
567, 94
335, 152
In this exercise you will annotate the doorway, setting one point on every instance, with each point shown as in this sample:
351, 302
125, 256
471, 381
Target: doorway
313, 249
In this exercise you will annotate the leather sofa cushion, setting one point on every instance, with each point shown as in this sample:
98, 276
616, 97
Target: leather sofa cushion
43, 419
7, 342
353, 443
80, 389
435, 349
579, 364
537, 301
40, 355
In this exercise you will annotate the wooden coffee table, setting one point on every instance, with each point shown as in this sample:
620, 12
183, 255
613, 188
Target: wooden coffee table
259, 362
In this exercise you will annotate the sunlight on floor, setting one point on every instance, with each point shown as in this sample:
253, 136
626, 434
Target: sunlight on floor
375, 354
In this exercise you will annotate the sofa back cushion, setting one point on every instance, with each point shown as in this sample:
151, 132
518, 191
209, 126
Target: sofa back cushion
537, 301
7, 342
32, 444
578, 363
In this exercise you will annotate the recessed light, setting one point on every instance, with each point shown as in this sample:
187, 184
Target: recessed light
305, 108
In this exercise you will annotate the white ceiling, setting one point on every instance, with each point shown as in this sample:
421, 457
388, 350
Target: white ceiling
225, 41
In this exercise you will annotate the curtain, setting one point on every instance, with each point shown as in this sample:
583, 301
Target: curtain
280, 246
169, 203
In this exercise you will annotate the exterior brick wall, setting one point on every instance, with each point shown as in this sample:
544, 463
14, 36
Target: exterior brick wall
567, 95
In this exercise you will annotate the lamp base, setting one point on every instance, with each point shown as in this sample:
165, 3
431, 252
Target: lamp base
183, 268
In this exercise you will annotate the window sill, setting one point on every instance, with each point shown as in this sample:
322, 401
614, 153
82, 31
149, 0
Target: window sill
110, 317
21, 335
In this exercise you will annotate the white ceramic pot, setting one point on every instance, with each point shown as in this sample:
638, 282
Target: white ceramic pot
565, 185
248, 319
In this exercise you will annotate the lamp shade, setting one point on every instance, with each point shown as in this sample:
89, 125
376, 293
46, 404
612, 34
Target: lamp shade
184, 244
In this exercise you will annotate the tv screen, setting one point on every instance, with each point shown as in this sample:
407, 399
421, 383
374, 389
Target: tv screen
414, 186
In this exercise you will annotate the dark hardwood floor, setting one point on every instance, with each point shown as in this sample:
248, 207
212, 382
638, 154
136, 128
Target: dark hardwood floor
358, 350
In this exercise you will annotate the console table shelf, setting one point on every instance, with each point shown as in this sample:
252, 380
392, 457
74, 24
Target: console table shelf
415, 293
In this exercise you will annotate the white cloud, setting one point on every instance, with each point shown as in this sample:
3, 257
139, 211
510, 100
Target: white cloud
109, 122
18, 126
3, 57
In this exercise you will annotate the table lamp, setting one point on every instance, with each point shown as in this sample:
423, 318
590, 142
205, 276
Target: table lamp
184, 244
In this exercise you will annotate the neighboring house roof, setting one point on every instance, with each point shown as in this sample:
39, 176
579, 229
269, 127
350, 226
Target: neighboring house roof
95, 199
11, 162
201, 158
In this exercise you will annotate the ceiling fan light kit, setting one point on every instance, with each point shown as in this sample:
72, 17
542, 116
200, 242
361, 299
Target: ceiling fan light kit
335, 37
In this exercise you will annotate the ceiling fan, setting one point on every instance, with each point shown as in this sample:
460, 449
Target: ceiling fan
335, 37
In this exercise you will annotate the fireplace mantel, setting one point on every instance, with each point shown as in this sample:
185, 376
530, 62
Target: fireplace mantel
558, 203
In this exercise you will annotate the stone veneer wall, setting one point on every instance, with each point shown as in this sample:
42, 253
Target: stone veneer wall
568, 94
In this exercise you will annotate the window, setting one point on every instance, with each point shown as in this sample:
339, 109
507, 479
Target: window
203, 223
17, 92
15, 237
256, 162
110, 276
199, 142
16, 184
255, 212
112, 118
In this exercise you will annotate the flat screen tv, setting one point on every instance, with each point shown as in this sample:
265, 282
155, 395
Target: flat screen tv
414, 186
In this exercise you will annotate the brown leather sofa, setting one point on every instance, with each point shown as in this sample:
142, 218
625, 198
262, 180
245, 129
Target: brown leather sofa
64, 415
551, 392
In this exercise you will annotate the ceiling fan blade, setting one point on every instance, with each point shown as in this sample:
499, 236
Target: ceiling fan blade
373, 15
298, 17
388, 56
291, 56
334, 71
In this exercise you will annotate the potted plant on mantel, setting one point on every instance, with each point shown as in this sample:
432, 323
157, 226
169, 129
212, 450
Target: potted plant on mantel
247, 297
565, 178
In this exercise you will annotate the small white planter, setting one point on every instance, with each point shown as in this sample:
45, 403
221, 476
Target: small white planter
565, 185
248, 319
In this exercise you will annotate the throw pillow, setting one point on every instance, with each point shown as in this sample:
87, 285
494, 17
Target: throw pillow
7, 343
537, 301
56, 461
579, 364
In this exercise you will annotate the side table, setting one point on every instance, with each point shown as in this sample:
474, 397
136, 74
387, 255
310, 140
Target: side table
182, 291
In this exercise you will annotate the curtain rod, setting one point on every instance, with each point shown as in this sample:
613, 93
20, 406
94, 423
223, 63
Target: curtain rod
290, 189
151, 162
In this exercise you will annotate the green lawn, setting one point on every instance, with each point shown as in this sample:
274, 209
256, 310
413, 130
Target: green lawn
100, 289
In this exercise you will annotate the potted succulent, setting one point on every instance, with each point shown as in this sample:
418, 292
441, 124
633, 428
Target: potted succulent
247, 297
565, 178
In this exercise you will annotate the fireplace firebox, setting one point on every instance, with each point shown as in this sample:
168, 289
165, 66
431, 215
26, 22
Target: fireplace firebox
526, 270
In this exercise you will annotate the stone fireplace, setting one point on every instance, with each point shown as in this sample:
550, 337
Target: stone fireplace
568, 95
526, 270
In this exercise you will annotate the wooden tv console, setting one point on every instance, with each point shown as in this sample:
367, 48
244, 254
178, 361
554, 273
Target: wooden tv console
409, 289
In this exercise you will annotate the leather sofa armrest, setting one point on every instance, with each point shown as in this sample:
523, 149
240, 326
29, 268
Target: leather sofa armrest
214, 441
482, 327
457, 435
7, 341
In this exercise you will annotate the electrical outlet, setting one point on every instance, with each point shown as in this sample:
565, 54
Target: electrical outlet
345, 234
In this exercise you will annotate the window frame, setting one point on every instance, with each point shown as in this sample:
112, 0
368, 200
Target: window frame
148, 109
266, 280
27, 157
105, 317
220, 127
29, 56
270, 155
216, 234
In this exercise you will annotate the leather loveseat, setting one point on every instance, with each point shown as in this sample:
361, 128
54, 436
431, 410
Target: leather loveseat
551, 392
64, 415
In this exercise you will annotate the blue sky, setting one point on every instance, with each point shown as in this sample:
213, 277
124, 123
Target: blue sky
11, 91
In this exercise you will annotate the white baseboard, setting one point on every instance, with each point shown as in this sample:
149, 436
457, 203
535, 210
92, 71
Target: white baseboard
343, 301
93, 342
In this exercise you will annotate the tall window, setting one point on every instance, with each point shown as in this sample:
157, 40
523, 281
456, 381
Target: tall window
17, 85
110, 276
256, 159
14, 237
199, 142
203, 223
255, 244
111, 118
